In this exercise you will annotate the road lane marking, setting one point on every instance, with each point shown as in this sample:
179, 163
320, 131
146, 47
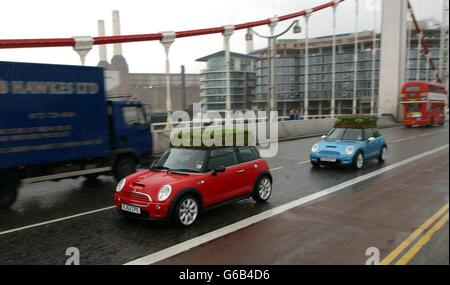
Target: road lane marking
54, 221
189, 244
400, 248
303, 162
423, 241
404, 139
428, 134
276, 168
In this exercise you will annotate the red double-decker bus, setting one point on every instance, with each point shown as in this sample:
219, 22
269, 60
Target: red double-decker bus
423, 103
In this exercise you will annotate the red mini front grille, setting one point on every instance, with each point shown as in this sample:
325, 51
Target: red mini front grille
137, 197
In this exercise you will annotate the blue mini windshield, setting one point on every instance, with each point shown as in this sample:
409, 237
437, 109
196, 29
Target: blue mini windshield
346, 134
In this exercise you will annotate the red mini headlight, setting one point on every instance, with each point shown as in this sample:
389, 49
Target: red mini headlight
121, 185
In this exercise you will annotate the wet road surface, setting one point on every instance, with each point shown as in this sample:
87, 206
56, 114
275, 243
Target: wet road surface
104, 237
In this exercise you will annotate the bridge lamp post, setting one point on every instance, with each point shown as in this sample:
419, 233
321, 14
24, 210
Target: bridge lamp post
272, 52
227, 33
167, 40
306, 95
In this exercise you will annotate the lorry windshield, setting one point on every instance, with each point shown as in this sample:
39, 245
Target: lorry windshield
346, 134
182, 159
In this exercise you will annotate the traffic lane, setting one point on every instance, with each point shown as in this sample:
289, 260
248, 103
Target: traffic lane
299, 152
101, 236
436, 251
338, 229
294, 181
242, 211
52, 200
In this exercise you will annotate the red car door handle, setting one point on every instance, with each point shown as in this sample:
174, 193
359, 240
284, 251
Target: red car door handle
240, 171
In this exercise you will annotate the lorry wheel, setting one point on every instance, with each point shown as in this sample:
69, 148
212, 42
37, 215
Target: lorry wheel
92, 177
8, 195
124, 167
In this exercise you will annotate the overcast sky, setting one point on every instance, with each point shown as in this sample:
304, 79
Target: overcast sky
59, 19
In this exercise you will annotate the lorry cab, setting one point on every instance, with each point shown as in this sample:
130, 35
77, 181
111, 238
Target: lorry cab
130, 129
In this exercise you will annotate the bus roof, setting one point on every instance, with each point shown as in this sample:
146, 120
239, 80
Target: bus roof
419, 82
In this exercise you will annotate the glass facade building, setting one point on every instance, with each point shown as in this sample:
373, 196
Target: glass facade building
290, 73
213, 81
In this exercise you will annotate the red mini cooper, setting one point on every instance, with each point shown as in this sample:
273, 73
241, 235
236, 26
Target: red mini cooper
186, 181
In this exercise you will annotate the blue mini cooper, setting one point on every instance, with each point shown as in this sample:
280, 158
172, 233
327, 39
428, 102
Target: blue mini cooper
348, 146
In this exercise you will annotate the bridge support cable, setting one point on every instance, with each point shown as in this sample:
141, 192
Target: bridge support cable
423, 44
333, 64
355, 65
374, 63
443, 58
70, 42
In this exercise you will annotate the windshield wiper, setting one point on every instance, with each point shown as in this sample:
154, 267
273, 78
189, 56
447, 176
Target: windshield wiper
183, 170
160, 167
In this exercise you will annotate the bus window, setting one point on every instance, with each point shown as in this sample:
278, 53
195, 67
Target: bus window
413, 88
437, 89
413, 107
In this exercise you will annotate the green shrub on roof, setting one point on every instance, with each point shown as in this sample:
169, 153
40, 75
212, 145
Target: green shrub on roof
212, 138
356, 122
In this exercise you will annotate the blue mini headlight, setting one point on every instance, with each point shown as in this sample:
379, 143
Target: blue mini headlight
349, 149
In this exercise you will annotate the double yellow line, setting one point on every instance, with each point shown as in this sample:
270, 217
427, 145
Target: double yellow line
426, 232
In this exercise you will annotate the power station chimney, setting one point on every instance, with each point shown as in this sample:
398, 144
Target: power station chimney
116, 31
102, 48
118, 61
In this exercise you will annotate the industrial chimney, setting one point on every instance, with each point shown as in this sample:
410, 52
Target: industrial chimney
118, 62
102, 48
116, 31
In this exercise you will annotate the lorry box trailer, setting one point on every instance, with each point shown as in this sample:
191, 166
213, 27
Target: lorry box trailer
56, 122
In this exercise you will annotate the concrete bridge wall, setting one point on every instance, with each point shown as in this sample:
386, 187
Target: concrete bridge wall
286, 130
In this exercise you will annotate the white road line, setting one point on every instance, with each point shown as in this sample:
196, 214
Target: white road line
276, 168
428, 134
55, 221
303, 162
189, 244
401, 140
